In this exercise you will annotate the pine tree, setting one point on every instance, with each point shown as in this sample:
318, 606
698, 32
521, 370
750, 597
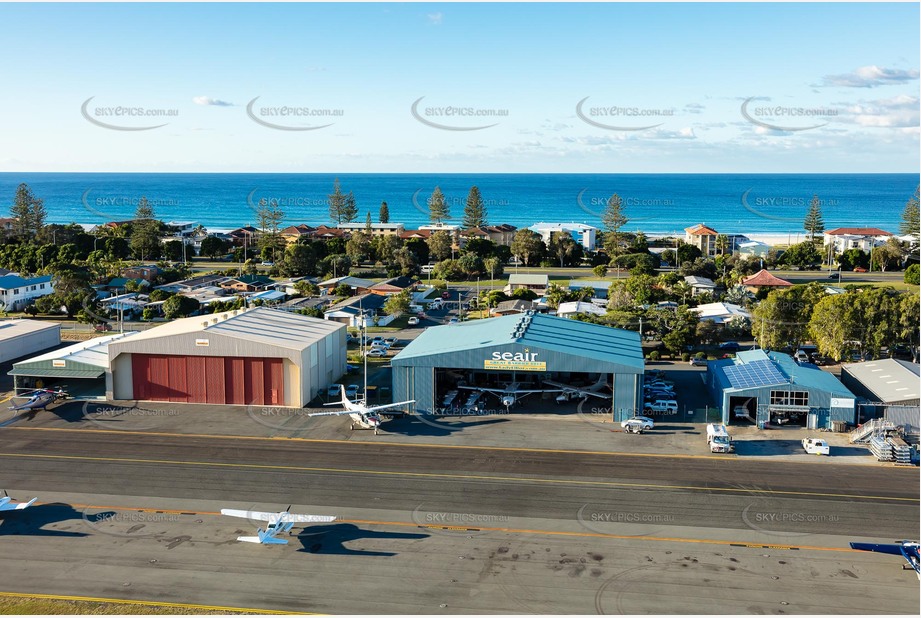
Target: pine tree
145, 231
270, 216
474, 210
613, 219
384, 215
28, 211
368, 229
349, 208
438, 207
814, 224
909, 225
336, 203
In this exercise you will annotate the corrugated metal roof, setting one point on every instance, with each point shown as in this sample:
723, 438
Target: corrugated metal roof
757, 368
889, 379
11, 282
602, 343
87, 359
14, 328
529, 280
260, 324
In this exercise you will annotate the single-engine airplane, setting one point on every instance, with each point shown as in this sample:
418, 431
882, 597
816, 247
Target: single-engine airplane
361, 415
510, 394
276, 523
7, 504
906, 549
39, 399
575, 392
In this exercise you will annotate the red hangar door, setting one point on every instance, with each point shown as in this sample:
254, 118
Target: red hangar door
208, 379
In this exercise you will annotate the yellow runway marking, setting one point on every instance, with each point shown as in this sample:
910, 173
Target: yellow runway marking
599, 535
216, 608
462, 477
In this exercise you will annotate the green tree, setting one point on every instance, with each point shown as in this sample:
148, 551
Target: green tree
613, 219
145, 232
300, 260
336, 203
722, 243
482, 247
212, 246
783, 317
369, 229
802, 254
28, 212
562, 246
270, 216
600, 271
493, 267
887, 256
398, 304
814, 224
407, 261
474, 210
438, 207
449, 270
528, 246
306, 289
358, 247
471, 264
419, 248
180, 307
386, 247
854, 257
440, 244
910, 216
383, 215
912, 275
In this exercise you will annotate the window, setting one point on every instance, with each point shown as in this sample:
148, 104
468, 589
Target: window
790, 398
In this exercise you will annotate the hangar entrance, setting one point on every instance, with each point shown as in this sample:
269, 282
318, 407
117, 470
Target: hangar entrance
477, 391
208, 379
743, 410
789, 408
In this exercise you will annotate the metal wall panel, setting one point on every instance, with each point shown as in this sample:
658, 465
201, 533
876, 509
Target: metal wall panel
275, 382
214, 379
198, 391
140, 376
178, 386
234, 381
159, 378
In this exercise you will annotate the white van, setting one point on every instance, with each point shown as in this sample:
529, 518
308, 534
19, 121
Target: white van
427, 268
815, 446
719, 439
801, 356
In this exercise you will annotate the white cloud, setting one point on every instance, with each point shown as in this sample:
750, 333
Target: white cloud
897, 112
210, 101
870, 77
436, 18
694, 108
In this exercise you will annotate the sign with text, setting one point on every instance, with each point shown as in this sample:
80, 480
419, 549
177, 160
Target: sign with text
515, 361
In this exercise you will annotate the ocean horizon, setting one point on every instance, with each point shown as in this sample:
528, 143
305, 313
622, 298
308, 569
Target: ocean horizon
754, 204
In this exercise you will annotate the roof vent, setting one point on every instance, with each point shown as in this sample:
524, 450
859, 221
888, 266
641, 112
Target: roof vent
214, 320
225, 316
205, 323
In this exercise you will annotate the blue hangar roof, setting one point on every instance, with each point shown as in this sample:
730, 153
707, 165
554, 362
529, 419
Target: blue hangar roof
592, 342
757, 368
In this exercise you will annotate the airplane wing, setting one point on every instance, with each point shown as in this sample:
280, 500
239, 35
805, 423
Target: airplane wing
391, 405
257, 515
332, 413
307, 519
10, 506
278, 517
482, 389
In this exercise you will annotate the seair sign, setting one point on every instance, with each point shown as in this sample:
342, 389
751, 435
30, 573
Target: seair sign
515, 361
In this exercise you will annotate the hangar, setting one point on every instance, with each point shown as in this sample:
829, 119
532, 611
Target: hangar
256, 356
445, 365
887, 388
770, 387
20, 338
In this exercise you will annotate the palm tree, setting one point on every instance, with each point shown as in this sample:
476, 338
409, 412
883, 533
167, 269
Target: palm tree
722, 243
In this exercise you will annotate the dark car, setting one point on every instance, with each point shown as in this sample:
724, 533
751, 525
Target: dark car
730, 346
835, 276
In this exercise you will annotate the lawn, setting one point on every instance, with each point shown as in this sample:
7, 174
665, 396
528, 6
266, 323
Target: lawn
37, 605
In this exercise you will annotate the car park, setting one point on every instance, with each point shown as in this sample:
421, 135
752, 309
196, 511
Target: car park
665, 406
333, 390
351, 391
413, 321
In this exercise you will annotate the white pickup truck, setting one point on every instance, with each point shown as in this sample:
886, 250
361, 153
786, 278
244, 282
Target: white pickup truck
815, 446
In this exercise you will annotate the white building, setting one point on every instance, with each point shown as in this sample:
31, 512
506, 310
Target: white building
377, 229
585, 235
22, 337
17, 292
863, 238
721, 313
567, 310
753, 247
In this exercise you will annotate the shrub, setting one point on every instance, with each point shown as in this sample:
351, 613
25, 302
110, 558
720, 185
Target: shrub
913, 274
685, 357
653, 356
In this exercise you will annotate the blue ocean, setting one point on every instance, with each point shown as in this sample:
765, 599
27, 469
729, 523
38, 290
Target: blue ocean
654, 203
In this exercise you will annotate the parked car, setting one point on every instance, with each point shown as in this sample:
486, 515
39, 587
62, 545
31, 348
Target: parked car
698, 362
268, 263
333, 390
740, 411
351, 391
801, 356
666, 406
860, 269
815, 446
643, 421
413, 321
376, 353
730, 346
453, 321
390, 341
836, 276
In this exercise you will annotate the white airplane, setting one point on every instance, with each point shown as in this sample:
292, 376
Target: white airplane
282, 521
40, 399
570, 392
361, 415
510, 394
7, 504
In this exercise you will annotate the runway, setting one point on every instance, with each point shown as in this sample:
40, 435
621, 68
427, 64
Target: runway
133, 515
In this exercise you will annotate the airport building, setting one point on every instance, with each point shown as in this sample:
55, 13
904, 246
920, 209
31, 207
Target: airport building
255, 356
770, 387
487, 365
20, 338
887, 388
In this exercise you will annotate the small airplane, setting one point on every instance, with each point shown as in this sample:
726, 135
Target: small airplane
282, 521
571, 392
361, 415
906, 549
510, 394
40, 399
7, 504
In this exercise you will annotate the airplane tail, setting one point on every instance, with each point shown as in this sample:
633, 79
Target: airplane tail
25, 505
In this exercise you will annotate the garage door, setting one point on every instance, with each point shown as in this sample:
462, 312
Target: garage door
208, 379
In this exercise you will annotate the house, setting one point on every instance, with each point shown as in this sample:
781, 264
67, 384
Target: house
720, 313
131, 302
600, 287
753, 247
182, 228
393, 286
764, 279
243, 235
304, 303
359, 311
287, 285
702, 237
499, 234
699, 285
377, 229
205, 295
585, 235
571, 309
411, 234
247, 283
537, 283
863, 238
508, 307
147, 272
195, 283
6, 226
18, 292
325, 233
121, 284
269, 297
293, 233
358, 285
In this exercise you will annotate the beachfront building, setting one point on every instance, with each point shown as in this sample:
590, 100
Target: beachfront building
324, 232
863, 238
18, 292
243, 235
699, 285
415, 234
499, 234
764, 279
702, 237
6, 226
585, 235
753, 248
293, 233
721, 313
377, 229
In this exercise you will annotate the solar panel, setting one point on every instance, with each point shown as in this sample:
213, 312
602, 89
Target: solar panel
756, 373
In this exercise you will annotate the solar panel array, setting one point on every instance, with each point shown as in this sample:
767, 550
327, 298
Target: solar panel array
756, 373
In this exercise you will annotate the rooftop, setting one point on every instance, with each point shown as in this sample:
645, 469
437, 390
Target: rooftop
701, 230
87, 359
11, 282
857, 231
756, 368
890, 380
353, 282
529, 279
10, 329
763, 278
579, 307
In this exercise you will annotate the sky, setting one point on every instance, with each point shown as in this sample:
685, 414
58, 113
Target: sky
473, 88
